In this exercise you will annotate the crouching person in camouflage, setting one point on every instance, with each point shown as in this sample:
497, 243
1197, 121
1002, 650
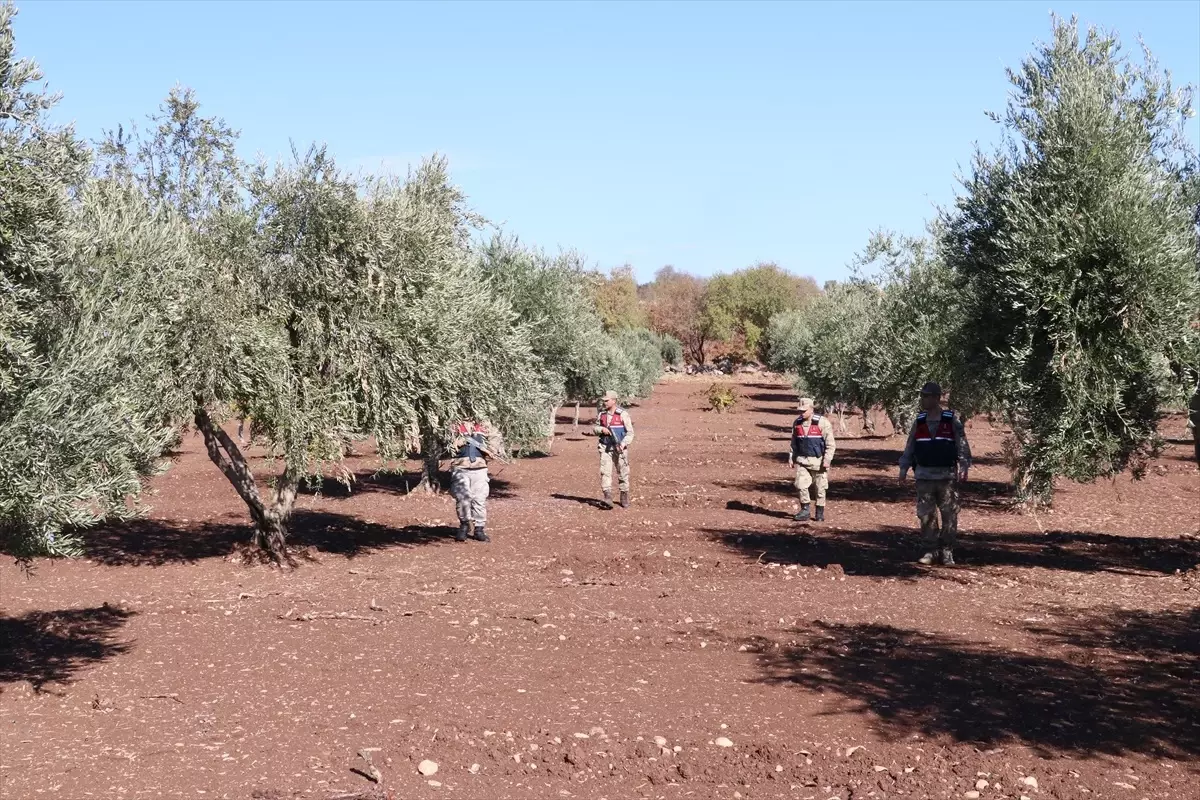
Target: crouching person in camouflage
473, 444
937, 448
615, 431
811, 454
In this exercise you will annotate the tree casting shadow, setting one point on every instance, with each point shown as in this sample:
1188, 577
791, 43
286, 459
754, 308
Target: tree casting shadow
1140, 698
54, 646
158, 542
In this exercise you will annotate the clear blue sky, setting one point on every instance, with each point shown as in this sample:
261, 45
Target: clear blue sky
703, 135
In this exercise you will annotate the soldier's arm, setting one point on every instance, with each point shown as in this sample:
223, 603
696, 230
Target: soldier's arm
906, 458
964, 447
830, 444
493, 438
795, 446
628, 440
598, 429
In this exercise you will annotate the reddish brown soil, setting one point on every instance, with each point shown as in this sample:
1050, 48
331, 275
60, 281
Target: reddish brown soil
1063, 650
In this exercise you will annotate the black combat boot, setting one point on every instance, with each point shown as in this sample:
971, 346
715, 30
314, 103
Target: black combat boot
803, 516
481, 534
461, 535
608, 500
624, 499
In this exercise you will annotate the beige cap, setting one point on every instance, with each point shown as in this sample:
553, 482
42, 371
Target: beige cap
805, 403
611, 396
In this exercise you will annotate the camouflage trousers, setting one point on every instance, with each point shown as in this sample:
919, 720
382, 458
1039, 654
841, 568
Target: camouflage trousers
811, 477
470, 488
609, 459
934, 497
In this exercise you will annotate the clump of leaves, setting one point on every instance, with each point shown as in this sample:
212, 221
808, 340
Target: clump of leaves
722, 397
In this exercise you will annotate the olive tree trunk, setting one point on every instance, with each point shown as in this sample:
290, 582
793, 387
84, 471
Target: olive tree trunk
270, 519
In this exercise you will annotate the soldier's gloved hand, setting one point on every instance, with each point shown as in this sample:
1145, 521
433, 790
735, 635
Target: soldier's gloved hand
791, 460
903, 474
825, 464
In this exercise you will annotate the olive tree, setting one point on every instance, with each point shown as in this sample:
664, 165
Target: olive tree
643, 350
827, 345
907, 341
1077, 256
551, 297
449, 345
79, 432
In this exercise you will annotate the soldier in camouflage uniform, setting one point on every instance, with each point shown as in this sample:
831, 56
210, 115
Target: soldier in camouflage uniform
473, 444
937, 448
615, 431
811, 454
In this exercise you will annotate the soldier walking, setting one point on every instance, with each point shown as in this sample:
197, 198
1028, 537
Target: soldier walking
811, 454
615, 431
938, 452
474, 443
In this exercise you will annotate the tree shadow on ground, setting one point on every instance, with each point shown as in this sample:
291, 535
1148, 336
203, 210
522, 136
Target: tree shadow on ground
396, 483
874, 554
787, 412
349, 536
587, 501
883, 489
774, 397
53, 646
737, 505
158, 542
1140, 698
891, 551
885, 458
866, 490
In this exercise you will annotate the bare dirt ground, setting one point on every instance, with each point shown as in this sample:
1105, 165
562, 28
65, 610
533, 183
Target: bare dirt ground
699, 644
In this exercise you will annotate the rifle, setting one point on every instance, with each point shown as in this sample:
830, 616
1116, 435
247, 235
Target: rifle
481, 445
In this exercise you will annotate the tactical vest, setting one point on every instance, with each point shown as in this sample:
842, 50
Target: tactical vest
808, 439
473, 433
615, 423
938, 448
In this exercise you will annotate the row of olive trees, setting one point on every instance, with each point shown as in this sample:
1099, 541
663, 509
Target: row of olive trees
1061, 290
554, 297
157, 283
